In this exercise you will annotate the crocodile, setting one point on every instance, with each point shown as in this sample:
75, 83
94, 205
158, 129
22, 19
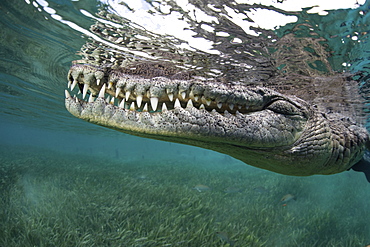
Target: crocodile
257, 124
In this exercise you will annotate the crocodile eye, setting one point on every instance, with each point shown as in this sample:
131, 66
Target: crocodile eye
284, 107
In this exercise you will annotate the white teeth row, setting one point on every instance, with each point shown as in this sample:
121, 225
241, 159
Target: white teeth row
139, 98
131, 87
153, 101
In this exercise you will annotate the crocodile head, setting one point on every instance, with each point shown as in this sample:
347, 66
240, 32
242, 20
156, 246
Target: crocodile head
144, 84
257, 125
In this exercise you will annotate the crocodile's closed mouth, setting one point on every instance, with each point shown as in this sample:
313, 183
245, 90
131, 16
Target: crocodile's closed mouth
159, 93
166, 99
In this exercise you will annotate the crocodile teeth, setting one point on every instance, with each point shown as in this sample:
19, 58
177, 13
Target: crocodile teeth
164, 107
102, 91
189, 104
84, 90
73, 84
137, 96
127, 95
177, 103
118, 90
154, 103
91, 98
67, 94
207, 101
139, 99
191, 94
145, 108
132, 106
122, 104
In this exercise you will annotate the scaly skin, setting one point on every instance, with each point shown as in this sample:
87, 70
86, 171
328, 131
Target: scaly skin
257, 125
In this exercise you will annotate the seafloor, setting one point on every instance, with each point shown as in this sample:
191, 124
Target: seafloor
56, 199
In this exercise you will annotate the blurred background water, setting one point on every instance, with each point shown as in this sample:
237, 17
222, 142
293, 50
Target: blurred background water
39, 39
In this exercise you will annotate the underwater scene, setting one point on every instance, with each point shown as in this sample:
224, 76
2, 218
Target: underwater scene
69, 182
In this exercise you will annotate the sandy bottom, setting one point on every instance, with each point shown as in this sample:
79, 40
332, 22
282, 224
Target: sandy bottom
55, 199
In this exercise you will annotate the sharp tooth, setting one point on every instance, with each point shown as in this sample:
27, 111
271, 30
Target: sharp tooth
73, 84
69, 84
240, 107
177, 103
170, 96
189, 104
219, 105
202, 107
191, 94
122, 104
118, 90
196, 98
132, 106
164, 107
139, 99
112, 101
107, 99
231, 106
208, 102
145, 108
67, 94
110, 84
102, 91
91, 98
154, 103
183, 94
127, 96
77, 100
84, 90
97, 82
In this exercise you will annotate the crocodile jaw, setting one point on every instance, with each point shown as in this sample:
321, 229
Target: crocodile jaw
254, 124
196, 112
